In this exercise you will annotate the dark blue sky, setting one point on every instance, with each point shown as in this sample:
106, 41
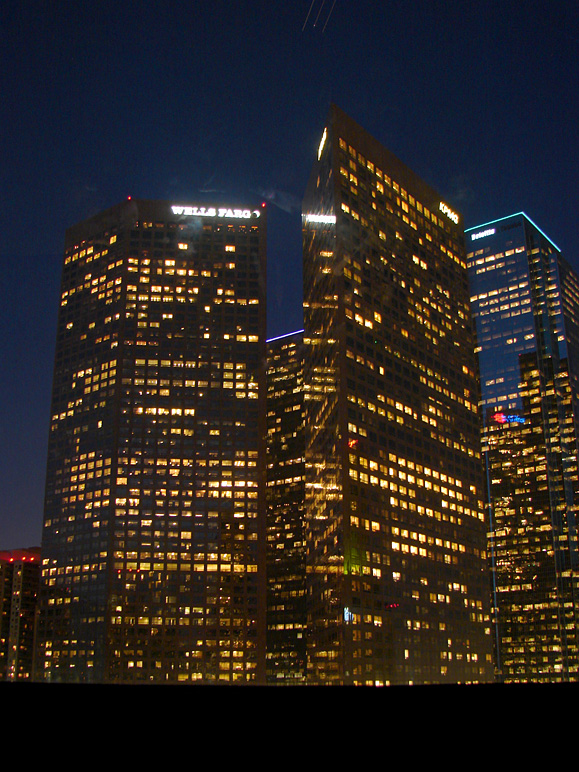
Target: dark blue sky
101, 100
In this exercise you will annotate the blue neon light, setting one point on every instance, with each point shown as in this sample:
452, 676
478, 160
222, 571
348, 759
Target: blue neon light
510, 217
286, 335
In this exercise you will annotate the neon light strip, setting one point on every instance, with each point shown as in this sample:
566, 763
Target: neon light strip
510, 217
322, 143
287, 334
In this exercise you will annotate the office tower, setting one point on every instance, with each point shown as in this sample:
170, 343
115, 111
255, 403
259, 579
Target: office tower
286, 570
154, 532
19, 580
525, 304
395, 526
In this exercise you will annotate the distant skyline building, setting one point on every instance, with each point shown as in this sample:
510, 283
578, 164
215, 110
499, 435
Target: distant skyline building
286, 565
525, 304
395, 526
153, 547
19, 583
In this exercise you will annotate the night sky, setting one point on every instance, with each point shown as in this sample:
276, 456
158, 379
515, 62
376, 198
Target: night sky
219, 101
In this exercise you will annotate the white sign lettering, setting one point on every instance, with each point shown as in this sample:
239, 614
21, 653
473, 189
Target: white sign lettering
329, 218
201, 211
448, 212
482, 234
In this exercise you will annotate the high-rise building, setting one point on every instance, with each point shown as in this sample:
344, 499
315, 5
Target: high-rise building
286, 569
154, 530
395, 525
525, 305
19, 581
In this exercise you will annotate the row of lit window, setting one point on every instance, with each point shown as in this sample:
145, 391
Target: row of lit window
388, 181
87, 252
400, 474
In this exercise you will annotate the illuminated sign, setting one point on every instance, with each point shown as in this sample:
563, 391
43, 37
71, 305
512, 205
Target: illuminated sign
448, 212
501, 418
201, 211
482, 234
325, 218
322, 143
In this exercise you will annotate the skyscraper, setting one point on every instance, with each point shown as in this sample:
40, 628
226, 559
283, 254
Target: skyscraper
19, 579
395, 526
525, 304
154, 528
286, 565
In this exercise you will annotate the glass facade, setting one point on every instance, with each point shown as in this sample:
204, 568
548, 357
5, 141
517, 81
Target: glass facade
154, 531
395, 526
524, 302
286, 606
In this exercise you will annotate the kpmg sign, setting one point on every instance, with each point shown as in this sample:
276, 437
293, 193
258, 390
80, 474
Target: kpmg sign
201, 211
448, 212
